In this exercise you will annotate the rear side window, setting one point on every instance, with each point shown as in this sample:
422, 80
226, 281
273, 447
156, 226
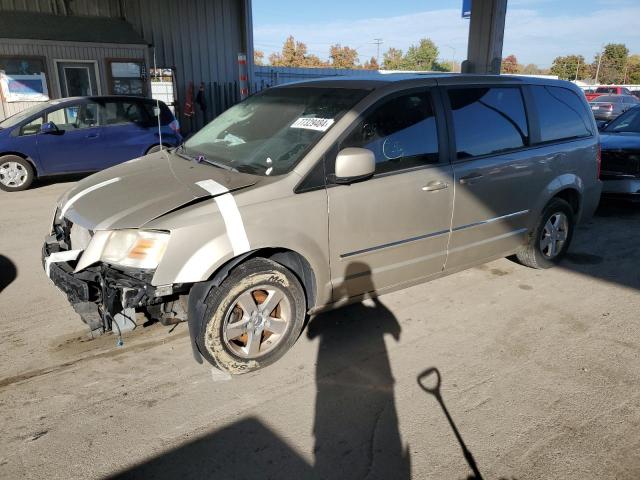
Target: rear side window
488, 120
401, 133
166, 117
117, 113
561, 113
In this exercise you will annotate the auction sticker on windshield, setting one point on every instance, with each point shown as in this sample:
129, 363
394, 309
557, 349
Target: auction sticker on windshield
312, 123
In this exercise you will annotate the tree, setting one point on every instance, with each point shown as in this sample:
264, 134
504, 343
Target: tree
371, 64
571, 67
531, 69
343, 57
258, 57
294, 54
633, 70
420, 57
510, 64
392, 59
612, 63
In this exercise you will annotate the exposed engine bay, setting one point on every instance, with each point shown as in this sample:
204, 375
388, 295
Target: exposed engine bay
108, 298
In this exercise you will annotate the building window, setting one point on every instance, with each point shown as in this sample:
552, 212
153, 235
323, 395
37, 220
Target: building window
22, 65
127, 77
23, 78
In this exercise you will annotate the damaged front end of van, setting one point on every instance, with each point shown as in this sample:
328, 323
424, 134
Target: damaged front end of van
111, 253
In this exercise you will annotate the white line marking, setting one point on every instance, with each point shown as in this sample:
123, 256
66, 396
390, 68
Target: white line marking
81, 194
233, 221
213, 187
59, 257
230, 214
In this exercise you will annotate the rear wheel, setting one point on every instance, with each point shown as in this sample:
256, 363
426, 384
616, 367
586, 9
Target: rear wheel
253, 317
155, 148
16, 173
551, 239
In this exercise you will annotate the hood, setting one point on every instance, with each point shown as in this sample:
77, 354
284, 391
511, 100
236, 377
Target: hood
620, 141
132, 194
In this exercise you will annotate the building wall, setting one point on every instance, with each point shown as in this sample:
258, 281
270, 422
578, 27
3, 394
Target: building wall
200, 39
52, 51
98, 8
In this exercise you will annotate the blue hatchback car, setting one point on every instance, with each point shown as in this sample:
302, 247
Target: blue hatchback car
82, 134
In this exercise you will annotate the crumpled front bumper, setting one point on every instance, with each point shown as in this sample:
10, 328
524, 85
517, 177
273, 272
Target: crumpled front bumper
99, 290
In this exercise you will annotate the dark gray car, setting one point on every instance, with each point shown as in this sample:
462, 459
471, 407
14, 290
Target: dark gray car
310, 196
608, 107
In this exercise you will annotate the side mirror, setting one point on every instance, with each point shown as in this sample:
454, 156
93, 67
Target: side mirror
50, 128
354, 164
602, 124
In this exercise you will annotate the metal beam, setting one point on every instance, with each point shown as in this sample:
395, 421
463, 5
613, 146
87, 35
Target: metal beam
486, 33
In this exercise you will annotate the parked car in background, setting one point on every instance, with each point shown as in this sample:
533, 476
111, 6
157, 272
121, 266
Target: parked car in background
620, 143
81, 134
608, 107
608, 90
309, 196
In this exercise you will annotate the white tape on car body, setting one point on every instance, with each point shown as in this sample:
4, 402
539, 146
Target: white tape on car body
81, 194
66, 256
236, 232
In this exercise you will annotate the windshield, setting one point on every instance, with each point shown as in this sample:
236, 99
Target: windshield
270, 132
606, 90
16, 118
629, 121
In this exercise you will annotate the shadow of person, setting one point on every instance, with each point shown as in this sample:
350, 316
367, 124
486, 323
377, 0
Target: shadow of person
356, 425
8, 272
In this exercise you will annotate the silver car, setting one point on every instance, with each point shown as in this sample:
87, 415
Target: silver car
608, 107
310, 196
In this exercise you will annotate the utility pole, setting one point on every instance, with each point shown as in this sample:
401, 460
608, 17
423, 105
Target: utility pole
599, 61
624, 77
577, 67
377, 42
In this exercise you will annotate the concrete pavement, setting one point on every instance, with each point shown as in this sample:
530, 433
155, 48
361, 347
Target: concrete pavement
539, 375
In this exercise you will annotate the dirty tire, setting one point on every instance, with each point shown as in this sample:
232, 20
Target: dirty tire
154, 149
24, 167
220, 301
532, 255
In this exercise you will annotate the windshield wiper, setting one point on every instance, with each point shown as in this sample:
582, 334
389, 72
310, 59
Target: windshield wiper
200, 158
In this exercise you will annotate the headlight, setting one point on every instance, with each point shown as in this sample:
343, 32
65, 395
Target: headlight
135, 248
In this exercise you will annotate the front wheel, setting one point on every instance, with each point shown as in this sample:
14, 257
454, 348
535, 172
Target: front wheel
253, 317
16, 173
551, 239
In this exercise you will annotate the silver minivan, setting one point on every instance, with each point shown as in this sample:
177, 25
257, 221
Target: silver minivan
310, 196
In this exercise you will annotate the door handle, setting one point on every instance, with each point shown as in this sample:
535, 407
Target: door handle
469, 179
92, 135
435, 185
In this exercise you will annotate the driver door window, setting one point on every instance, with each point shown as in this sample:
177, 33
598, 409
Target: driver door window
32, 127
401, 133
74, 117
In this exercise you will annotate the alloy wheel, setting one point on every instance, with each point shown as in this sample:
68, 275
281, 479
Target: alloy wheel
554, 235
257, 321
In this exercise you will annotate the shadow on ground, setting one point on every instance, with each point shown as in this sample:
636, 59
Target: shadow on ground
8, 272
71, 177
355, 424
607, 246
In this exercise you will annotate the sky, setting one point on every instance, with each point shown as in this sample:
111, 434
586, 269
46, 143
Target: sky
536, 31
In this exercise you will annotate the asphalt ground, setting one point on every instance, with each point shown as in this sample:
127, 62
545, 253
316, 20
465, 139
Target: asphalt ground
538, 377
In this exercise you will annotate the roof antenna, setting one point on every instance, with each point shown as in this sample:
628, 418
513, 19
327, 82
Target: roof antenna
157, 107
